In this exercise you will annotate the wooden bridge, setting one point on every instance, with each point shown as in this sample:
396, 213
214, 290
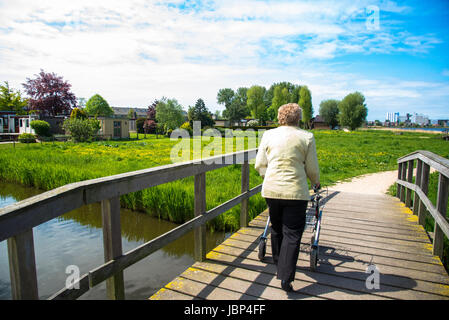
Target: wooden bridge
362, 236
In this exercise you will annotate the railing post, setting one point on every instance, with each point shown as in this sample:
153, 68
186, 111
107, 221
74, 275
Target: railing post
398, 187
425, 188
245, 187
443, 185
112, 241
22, 266
408, 198
416, 199
200, 208
403, 178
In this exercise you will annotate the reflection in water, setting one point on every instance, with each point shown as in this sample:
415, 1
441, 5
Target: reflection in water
76, 239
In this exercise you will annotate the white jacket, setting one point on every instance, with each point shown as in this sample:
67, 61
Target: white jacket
286, 157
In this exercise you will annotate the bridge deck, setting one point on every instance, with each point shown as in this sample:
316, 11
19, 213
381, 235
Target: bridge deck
356, 230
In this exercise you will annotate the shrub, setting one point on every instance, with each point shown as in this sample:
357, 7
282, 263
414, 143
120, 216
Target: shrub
253, 123
149, 126
42, 128
78, 113
82, 130
139, 125
27, 138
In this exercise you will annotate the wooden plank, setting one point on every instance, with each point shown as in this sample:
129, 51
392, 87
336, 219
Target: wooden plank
112, 244
199, 210
403, 178
425, 188
22, 266
437, 162
331, 274
439, 219
398, 189
244, 216
418, 183
408, 197
442, 198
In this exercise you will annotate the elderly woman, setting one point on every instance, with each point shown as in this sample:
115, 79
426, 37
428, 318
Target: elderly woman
286, 157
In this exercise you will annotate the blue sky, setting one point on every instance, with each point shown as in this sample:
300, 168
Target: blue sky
132, 52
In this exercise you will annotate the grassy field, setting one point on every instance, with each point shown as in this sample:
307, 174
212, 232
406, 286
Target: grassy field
341, 155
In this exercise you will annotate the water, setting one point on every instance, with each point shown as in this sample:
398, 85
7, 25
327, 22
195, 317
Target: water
76, 239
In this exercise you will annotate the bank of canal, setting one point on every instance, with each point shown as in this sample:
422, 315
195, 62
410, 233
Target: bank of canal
76, 239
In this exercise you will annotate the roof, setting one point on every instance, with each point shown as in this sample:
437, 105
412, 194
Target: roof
141, 112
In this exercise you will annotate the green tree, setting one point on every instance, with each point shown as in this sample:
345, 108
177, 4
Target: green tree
305, 102
225, 96
353, 110
78, 113
235, 103
199, 112
169, 114
281, 96
329, 112
11, 101
81, 130
256, 102
42, 128
97, 106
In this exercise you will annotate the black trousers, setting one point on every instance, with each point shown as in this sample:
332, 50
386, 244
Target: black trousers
288, 218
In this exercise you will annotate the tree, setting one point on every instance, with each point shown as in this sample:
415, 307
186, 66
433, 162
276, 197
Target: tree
49, 94
353, 110
10, 100
82, 130
281, 96
169, 114
255, 101
97, 106
329, 112
78, 113
225, 96
235, 103
200, 113
305, 102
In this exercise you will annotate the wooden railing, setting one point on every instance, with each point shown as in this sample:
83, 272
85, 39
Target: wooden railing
18, 220
421, 203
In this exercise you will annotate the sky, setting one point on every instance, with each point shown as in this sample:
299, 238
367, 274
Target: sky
132, 52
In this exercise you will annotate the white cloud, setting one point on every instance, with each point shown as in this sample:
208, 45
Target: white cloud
132, 52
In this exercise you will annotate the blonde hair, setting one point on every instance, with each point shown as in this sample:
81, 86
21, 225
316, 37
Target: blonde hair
289, 114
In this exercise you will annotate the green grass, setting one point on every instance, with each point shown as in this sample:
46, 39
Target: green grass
341, 156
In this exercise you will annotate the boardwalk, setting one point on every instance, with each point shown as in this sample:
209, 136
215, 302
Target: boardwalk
356, 230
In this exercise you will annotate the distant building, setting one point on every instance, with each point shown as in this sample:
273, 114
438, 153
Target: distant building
392, 117
419, 119
114, 128
319, 123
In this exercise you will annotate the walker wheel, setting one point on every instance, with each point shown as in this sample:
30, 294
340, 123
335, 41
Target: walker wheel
262, 249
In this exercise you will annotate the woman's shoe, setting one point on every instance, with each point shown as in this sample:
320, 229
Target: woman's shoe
286, 286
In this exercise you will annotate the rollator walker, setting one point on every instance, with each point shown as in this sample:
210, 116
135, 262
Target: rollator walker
313, 221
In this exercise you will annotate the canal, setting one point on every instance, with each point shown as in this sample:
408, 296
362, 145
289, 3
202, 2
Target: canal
76, 239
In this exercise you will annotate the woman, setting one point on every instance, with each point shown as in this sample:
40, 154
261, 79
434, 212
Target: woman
286, 157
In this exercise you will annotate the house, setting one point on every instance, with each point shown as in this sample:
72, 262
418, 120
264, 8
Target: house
319, 123
123, 112
114, 127
8, 123
24, 123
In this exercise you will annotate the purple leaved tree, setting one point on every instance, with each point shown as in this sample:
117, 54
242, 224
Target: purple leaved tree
49, 94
